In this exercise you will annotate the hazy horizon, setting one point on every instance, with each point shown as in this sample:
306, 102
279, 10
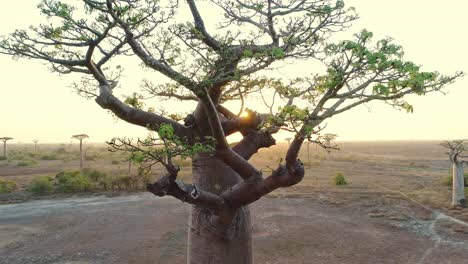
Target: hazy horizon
39, 104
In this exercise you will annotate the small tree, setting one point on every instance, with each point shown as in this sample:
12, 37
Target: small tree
456, 149
5, 139
35, 141
81, 137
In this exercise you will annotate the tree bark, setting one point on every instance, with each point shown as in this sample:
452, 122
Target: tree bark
458, 185
211, 243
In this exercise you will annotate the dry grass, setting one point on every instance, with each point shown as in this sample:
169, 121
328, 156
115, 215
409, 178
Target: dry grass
415, 168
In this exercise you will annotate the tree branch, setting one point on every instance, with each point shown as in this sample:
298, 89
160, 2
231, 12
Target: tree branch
242, 124
130, 114
187, 193
200, 26
231, 158
252, 142
248, 192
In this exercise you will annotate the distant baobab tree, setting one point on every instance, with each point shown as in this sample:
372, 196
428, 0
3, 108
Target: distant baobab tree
35, 141
456, 149
328, 141
5, 139
81, 137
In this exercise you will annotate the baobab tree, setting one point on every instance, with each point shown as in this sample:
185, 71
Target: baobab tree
456, 149
228, 59
5, 139
35, 141
81, 137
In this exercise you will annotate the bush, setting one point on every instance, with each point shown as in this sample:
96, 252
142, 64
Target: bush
17, 157
73, 181
122, 182
26, 163
105, 183
3, 158
7, 186
115, 162
339, 179
49, 157
42, 185
94, 175
90, 158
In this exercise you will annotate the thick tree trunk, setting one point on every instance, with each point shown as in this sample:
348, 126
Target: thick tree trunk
458, 185
210, 244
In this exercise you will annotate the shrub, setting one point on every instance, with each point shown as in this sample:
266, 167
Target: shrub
3, 158
94, 175
105, 183
26, 163
17, 157
7, 186
49, 157
115, 162
42, 185
123, 182
339, 179
73, 181
90, 158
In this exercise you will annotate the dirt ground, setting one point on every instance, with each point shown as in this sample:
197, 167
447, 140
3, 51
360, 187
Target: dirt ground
394, 210
145, 229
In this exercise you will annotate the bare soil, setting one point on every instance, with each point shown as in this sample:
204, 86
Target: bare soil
145, 229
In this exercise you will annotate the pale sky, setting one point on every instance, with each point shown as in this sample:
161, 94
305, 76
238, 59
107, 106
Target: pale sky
36, 103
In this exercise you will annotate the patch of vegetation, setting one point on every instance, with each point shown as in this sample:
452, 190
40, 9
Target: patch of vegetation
73, 181
94, 175
3, 158
339, 179
26, 163
42, 185
17, 157
90, 158
49, 157
7, 186
115, 162
448, 181
123, 182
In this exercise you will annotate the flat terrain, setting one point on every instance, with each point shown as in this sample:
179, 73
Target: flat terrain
145, 229
394, 210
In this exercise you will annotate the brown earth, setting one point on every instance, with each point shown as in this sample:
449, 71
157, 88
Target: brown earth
144, 229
